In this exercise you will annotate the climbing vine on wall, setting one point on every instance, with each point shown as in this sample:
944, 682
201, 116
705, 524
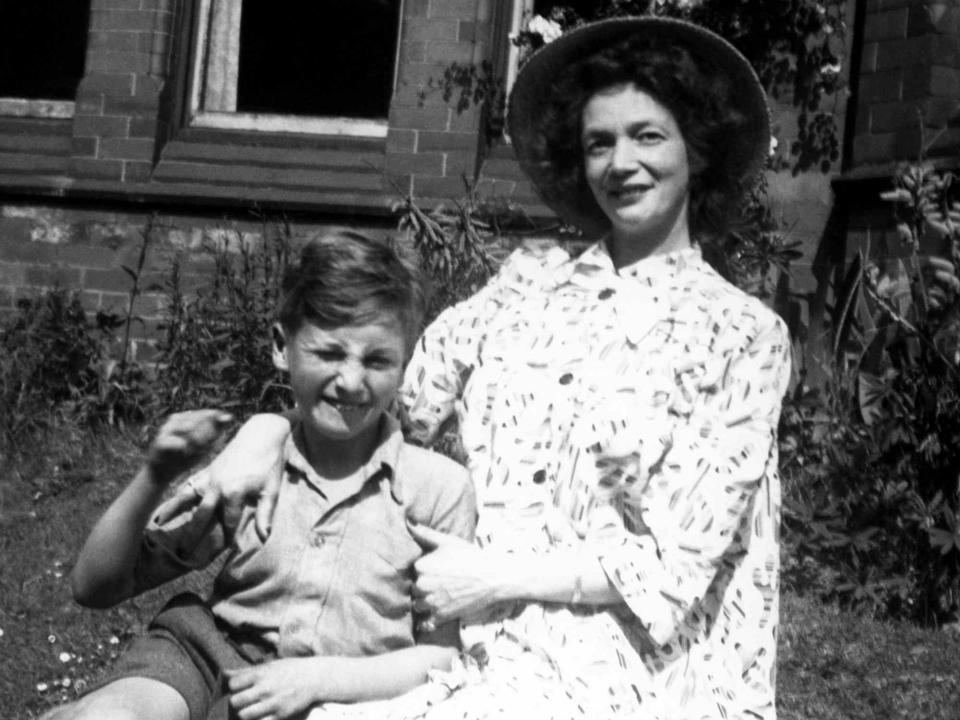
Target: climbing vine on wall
796, 46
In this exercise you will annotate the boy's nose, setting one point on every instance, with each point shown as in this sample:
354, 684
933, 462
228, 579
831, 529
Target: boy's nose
350, 377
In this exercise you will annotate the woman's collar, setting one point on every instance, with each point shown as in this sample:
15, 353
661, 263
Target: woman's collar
596, 260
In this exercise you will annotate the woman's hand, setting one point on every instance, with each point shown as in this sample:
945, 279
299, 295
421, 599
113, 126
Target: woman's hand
182, 440
455, 578
248, 470
277, 689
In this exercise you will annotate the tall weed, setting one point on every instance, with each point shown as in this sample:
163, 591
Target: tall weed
215, 350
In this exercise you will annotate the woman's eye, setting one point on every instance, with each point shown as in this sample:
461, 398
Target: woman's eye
595, 146
648, 136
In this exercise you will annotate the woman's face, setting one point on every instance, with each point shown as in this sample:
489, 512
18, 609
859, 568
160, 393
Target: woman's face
635, 162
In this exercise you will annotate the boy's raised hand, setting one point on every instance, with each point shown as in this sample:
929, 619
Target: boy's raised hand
183, 439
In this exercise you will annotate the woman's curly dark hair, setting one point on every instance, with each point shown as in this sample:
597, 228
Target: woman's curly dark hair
698, 97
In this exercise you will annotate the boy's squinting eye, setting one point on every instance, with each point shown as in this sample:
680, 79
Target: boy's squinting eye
329, 354
380, 362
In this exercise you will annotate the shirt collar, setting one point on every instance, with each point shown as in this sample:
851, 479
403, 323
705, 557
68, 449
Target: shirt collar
596, 264
383, 461
639, 285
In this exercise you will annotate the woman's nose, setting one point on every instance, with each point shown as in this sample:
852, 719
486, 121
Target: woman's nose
624, 156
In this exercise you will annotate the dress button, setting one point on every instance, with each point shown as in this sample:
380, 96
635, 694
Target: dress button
606, 293
566, 378
540, 477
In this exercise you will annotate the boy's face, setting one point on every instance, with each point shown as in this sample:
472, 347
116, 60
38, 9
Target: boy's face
343, 378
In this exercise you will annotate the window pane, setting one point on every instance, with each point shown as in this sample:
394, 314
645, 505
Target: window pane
42, 47
331, 58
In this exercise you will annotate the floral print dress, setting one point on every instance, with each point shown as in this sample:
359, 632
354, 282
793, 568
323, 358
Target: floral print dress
630, 415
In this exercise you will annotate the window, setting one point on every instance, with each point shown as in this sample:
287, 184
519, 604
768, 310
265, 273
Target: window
558, 12
324, 66
42, 49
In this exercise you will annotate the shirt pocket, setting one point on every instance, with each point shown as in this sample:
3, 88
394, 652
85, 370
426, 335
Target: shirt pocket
377, 559
256, 562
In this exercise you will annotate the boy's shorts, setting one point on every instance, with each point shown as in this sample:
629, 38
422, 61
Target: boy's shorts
185, 649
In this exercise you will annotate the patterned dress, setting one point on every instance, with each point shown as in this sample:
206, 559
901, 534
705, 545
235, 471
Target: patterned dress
632, 416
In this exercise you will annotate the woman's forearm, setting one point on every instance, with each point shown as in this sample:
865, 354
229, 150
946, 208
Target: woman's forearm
563, 576
378, 677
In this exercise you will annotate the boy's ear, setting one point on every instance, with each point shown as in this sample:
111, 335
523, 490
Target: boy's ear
279, 347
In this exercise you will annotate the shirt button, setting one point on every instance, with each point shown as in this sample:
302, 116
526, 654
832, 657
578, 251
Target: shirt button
318, 541
606, 293
566, 378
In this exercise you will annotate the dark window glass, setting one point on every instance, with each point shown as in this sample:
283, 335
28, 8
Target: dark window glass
330, 58
42, 47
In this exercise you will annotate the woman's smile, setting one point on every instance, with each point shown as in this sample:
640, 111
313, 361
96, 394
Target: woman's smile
635, 163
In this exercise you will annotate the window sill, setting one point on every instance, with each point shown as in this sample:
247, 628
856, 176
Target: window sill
266, 123
45, 109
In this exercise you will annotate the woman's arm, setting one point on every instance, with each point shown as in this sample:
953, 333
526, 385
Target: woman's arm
282, 688
701, 486
704, 491
104, 571
458, 579
248, 470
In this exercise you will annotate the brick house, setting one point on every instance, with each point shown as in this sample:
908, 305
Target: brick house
157, 108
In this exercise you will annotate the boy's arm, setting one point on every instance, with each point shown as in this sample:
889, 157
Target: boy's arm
291, 685
104, 574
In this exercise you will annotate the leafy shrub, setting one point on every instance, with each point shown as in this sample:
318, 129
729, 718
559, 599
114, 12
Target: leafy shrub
54, 365
871, 463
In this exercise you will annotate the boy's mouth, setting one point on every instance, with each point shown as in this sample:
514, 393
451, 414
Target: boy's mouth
347, 408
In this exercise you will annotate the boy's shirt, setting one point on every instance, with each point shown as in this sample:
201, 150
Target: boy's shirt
334, 576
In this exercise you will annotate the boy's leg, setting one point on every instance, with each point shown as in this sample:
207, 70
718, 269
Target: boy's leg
131, 698
174, 672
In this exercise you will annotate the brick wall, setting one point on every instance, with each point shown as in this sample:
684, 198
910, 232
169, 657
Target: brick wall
77, 193
131, 139
85, 249
909, 82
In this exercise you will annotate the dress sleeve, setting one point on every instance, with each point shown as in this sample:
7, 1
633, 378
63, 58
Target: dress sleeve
692, 478
188, 540
449, 348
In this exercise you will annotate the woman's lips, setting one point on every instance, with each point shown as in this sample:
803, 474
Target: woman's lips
631, 192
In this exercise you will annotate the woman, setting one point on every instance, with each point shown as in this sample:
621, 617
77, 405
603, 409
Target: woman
618, 409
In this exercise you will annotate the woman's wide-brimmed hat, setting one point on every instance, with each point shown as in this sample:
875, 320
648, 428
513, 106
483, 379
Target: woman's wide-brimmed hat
532, 90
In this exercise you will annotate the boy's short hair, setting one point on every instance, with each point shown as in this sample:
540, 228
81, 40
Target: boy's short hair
347, 278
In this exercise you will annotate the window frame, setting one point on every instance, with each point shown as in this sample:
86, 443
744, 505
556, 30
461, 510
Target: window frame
198, 117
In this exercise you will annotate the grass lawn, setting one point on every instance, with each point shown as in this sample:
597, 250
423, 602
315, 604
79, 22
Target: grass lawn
833, 665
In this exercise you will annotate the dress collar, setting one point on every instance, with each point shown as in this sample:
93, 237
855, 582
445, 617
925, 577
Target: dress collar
650, 270
383, 461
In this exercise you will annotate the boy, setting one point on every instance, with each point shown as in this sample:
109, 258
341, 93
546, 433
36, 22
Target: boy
319, 610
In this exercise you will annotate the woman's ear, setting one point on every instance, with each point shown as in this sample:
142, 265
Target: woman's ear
280, 347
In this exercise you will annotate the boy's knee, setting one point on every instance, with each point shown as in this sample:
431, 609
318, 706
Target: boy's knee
126, 699
93, 708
